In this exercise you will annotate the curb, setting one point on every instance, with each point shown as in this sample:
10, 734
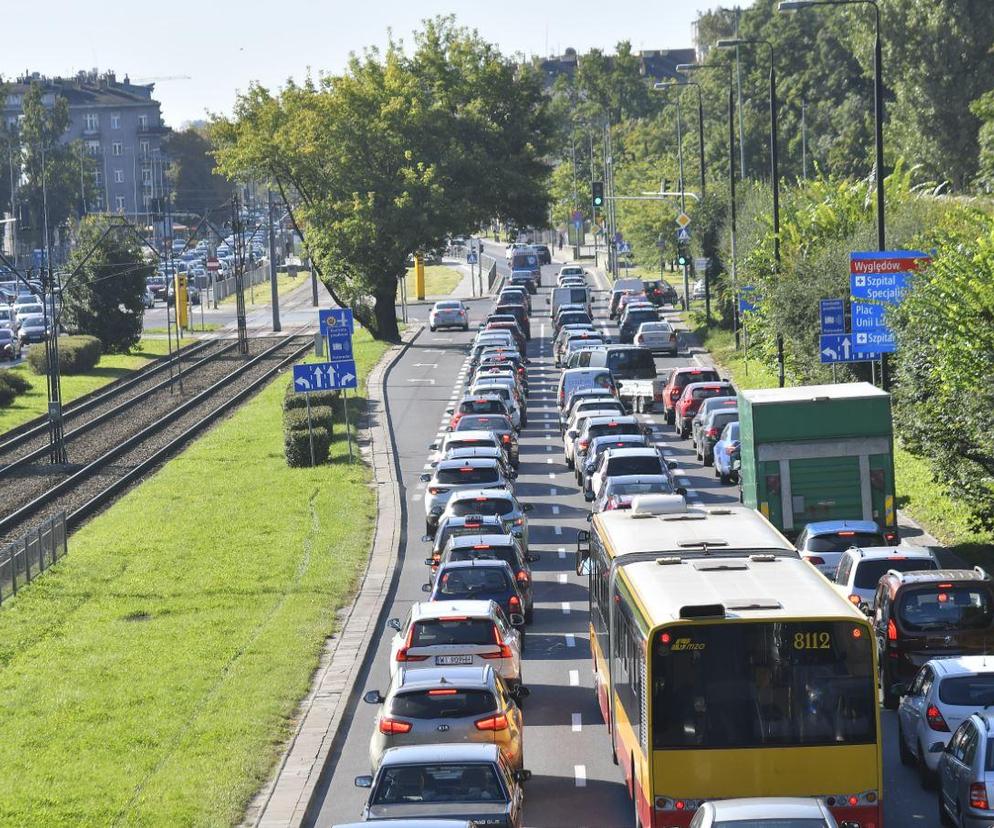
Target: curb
290, 796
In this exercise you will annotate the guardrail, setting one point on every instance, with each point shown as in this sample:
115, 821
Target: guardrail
27, 558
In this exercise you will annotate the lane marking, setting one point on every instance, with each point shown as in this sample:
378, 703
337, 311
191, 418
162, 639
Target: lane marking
562, 551
577, 723
580, 775
558, 529
555, 509
570, 640
552, 475
562, 577
574, 678
566, 608
548, 460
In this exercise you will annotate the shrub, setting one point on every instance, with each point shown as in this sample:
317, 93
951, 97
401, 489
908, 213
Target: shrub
318, 398
15, 379
7, 394
77, 354
297, 447
295, 419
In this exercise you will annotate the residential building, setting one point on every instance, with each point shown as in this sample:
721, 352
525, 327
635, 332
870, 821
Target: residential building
655, 65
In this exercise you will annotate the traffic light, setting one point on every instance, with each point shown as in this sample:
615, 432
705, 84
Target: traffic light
598, 190
682, 254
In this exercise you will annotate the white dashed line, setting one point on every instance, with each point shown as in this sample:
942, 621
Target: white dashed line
580, 775
570, 640
574, 678
548, 436
562, 552
553, 492
566, 609
577, 723
549, 448
552, 475
558, 529
548, 461
562, 577
555, 510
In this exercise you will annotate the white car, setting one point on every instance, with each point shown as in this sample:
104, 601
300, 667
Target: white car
454, 475
943, 693
767, 810
569, 270
462, 439
503, 388
450, 313
457, 633
582, 413
861, 568
27, 309
514, 248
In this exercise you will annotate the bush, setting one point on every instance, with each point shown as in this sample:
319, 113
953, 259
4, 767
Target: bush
77, 354
322, 416
15, 379
7, 394
318, 398
297, 447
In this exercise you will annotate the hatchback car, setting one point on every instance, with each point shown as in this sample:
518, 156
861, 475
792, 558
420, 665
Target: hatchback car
706, 407
922, 615
616, 462
598, 393
763, 812
678, 379
472, 782
587, 462
450, 313
508, 390
711, 428
453, 526
579, 418
660, 292
32, 328
690, 401
454, 475
497, 424
633, 317
482, 404
822, 543
966, 774
457, 633
499, 502
658, 337
728, 454
619, 492
861, 568
454, 704
595, 427
943, 694
461, 439
479, 580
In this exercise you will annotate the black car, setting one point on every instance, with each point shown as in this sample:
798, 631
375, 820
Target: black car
661, 293
543, 253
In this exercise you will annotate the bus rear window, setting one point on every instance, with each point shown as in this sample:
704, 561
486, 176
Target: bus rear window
945, 608
763, 684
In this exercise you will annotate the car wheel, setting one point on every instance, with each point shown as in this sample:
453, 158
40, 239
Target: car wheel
708, 459
569, 462
891, 699
902, 749
669, 417
432, 328
925, 776
429, 530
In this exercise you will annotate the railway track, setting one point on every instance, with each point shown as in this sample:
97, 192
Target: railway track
106, 466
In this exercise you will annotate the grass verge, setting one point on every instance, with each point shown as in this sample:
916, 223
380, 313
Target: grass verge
440, 280
919, 495
151, 677
207, 327
261, 294
34, 402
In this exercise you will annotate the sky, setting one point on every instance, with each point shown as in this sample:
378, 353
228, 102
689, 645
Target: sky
223, 45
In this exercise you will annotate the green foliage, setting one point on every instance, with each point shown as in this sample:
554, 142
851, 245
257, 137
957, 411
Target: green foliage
196, 187
297, 446
77, 355
7, 394
104, 298
322, 398
322, 416
15, 380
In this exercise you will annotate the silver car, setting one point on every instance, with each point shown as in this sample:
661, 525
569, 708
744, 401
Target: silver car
966, 774
451, 704
767, 810
454, 475
32, 328
450, 313
491, 502
658, 337
461, 439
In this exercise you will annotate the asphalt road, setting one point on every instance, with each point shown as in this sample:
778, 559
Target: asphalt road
574, 783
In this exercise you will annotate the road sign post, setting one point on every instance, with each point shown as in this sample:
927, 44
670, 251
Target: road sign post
310, 425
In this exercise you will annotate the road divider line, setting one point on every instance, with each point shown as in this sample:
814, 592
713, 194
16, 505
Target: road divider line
562, 577
566, 607
580, 775
562, 552
555, 509
574, 678
558, 529
552, 475
576, 723
570, 640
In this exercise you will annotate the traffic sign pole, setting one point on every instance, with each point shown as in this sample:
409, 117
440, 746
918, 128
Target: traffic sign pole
310, 426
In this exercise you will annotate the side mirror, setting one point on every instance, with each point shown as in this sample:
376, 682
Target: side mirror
367, 781
433, 447
528, 507
424, 478
517, 619
680, 490
426, 539
583, 552
672, 464
520, 692
519, 775
532, 557
449, 410
429, 561
426, 587
394, 624
373, 697
588, 496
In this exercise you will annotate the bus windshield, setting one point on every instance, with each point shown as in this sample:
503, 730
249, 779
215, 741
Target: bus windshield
765, 684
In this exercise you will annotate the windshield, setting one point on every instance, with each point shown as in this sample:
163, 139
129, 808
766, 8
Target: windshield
438, 783
481, 506
467, 476
941, 607
443, 703
841, 541
444, 631
470, 582
869, 573
758, 684
631, 363
968, 691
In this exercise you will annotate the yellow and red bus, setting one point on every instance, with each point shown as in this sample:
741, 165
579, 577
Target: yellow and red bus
726, 666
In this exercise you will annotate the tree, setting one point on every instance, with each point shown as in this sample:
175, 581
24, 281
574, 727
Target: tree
105, 296
196, 187
394, 154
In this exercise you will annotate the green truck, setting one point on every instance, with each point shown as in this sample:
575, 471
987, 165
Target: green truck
818, 452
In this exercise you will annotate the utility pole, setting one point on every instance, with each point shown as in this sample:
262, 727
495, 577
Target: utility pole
236, 228
804, 140
593, 221
576, 203
683, 201
738, 86
272, 264
56, 434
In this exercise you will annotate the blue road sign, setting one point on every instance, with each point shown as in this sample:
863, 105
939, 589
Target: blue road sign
339, 348
624, 247
38, 255
747, 298
324, 376
879, 341
472, 258
840, 348
868, 317
833, 316
883, 276
334, 320
683, 234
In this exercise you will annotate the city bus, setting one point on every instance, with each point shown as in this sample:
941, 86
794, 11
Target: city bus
726, 666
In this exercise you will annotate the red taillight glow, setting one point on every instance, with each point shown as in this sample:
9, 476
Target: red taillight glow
514, 602
935, 721
712, 432
679, 804
402, 652
498, 722
505, 438
522, 577
729, 449
853, 801
815, 560
891, 630
665, 638
504, 651
584, 444
846, 533
978, 796
443, 692
393, 726
436, 490
854, 599
857, 632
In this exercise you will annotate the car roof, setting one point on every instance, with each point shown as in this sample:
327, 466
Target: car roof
468, 462
875, 553
433, 754
962, 665
760, 808
625, 419
471, 434
604, 439
622, 479
693, 369
476, 540
926, 576
829, 526
693, 386
440, 609
468, 396
487, 494
647, 451
407, 822
422, 677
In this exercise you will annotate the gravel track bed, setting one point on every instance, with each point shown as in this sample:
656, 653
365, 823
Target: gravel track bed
33, 480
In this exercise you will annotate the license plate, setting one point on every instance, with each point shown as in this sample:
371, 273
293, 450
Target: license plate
449, 660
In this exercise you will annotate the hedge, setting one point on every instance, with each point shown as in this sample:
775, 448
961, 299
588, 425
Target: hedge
320, 398
297, 446
7, 394
77, 354
322, 416
15, 380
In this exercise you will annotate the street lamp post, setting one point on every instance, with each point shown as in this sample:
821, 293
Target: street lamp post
774, 168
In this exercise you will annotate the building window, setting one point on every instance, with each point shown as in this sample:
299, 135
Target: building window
11, 122
98, 201
115, 120
13, 100
117, 148
147, 175
98, 178
143, 122
146, 200
119, 202
118, 176
143, 145
93, 147
92, 121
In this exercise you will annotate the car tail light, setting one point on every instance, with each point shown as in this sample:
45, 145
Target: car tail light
445, 691
845, 533
522, 577
519, 521
514, 602
584, 444
712, 432
437, 490
935, 721
891, 537
815, 560
393, 726
498, 722
402, 655
612, 503
978, 796
674, 393
506, 438
503, 651
891, 630
854, 600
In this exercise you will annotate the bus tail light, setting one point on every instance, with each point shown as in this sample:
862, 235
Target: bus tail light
673, 804
978, 796
935, 721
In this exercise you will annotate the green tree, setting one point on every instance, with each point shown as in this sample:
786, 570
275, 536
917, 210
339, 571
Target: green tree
196, 187
105, 296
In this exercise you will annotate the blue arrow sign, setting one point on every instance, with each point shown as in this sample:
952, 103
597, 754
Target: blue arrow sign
879, 341
339, 348
833, 316
840, 348
324, 376
334, 320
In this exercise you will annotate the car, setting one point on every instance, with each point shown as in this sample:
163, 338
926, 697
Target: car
25, 309
661, 292
678, 379
576, 341
10, 345
966, 774
498, 424
861, 568
449, 313
515, 295
520, 316
929, 614
527, 261
573, 380
658, 337
570, 270
690, 401
452, 526
458, 633
449, 476
466, 781
481, 452
772, 811
543, 253
571, 316
595, 427
617, 461
822, 542
7, 319
507, 390
581, 395
728, 454
508, 323
623, 287
498, 502
699, 290
943, 694
618, 492
576, 294
506, 547
468, 704
502, 374
582, 413
148, 299
481, 404
32, 328
706, 408
568, 330
632, 319
489, 339
523, 279
715, 420
461, 439
516, 247
479, 579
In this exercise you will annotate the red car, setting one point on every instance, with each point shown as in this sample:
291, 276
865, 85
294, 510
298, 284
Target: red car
692, 397
678, 380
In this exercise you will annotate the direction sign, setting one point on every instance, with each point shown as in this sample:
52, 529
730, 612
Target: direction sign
339, 348
833, 316
868, 317
682, 220
324, 376
840, 348
336, 322
883, 276
683, 234
746, 297
879, 341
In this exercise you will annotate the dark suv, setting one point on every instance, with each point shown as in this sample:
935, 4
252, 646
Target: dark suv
929, 614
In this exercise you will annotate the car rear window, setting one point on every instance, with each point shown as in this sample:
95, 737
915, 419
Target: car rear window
619, 466
940, 607
481, 407
603, 429
655, 487
469, 442
681, 380
524, 261
869, 573
574, 318
448, 306
631, 363
468, 582
707, 393
437, 631
467, 476
840, 542
443, 703
968, 691
481, 506
485, 552
482, 422
438, 783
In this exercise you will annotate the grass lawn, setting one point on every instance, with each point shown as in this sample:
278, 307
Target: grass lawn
208, 327
918, 493
151, 677
440, 280
261, 294
34, 402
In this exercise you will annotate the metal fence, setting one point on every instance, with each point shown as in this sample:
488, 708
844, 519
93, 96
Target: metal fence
253, 276
24, 560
